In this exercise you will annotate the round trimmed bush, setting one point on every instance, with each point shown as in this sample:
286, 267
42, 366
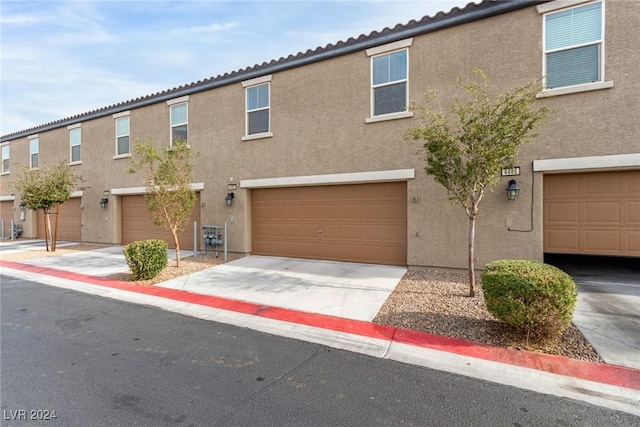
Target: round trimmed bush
535, 297
146, 258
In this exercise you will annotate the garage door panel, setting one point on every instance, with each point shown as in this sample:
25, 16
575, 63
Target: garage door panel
632, 242
562, 212
561, 240
602, 185
633, 185
602, 241
351, 219
563, 186
607, 212
599, 214
632, 210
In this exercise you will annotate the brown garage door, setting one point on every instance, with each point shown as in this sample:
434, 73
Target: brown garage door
356, 222
137, 225
6, 213
69, 221
592, 213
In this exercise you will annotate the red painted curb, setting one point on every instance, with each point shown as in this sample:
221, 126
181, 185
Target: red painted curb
598, 372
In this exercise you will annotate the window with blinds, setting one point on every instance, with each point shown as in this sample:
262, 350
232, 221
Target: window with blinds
573, 46
257, 109
389, 82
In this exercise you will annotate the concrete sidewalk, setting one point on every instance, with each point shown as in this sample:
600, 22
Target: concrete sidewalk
224, 294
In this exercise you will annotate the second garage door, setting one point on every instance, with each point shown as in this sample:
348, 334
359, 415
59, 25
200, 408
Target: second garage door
594, 213
137, 224
69, 221
356, 222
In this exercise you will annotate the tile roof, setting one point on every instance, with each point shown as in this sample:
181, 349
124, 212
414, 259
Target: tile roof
456, 16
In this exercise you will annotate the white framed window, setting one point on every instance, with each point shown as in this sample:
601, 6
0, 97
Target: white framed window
75, 144
389, 82
257, 107
34, 152
122, 136
573, 44
179, 115
5, 158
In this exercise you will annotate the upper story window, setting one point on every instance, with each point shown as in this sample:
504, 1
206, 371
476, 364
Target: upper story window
34, 151
573, 45
390, 80
75, 143
122, 136
257, 107
179, 118
5, 158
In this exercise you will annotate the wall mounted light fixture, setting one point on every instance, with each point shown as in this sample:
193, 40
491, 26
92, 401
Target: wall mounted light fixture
103, 202
513, 190
229, 198
23, 206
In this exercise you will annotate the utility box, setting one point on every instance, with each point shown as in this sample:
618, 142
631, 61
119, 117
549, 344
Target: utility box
213, 237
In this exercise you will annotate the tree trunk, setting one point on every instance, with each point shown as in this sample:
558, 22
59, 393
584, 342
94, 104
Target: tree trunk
47, 227
55, 230
472, 274
177, 243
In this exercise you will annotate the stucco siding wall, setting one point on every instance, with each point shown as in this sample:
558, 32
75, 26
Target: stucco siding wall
318, 115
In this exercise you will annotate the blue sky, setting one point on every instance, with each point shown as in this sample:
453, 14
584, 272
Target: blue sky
61, 58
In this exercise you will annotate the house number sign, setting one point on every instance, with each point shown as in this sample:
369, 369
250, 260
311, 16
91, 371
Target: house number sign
512, 171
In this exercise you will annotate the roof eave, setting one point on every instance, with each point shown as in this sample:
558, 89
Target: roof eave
455, 17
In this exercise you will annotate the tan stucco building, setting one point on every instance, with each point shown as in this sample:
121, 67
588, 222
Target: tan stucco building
312, 146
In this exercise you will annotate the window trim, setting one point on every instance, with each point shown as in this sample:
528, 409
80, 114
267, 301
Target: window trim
562, 6
71, 128
31, 138
116, 117
248, 84
2, 159
173, 103
382, 50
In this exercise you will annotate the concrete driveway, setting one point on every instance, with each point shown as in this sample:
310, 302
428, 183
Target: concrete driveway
608, 308
348, 290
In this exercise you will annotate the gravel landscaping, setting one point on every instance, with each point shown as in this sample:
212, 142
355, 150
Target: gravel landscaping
424, 300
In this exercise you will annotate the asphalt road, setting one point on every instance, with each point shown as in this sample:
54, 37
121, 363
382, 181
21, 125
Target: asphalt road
92, 361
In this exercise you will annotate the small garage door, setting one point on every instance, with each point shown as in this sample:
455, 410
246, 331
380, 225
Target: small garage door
356, 222
592, 213
6, 213
137, 224
69, 221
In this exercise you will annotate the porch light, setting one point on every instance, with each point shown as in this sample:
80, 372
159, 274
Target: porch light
229, 198
103, 202
22, 205
513, 190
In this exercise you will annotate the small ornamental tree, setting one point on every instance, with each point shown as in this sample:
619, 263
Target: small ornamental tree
167, 176
45, 188
465, 151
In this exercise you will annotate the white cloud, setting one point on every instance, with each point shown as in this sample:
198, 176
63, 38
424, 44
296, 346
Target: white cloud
204, 29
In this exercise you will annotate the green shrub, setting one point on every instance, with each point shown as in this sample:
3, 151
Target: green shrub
146, 258
534, 297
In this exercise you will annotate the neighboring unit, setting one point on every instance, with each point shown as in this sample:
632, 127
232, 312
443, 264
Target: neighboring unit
306, 157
